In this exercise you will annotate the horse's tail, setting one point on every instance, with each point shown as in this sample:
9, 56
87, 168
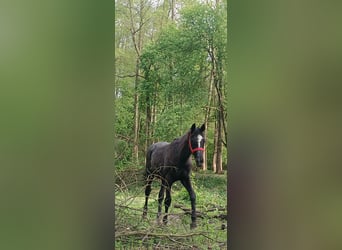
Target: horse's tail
148, 162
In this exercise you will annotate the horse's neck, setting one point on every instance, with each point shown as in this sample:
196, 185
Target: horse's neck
184, 149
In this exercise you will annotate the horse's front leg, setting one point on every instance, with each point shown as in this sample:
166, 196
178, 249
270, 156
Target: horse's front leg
187, 184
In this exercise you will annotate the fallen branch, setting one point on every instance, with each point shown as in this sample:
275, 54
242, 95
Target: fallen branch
221, 216
130, 75
202, 214
142, 233
179, 243
188, 210
215, 209
135, 209
185, 209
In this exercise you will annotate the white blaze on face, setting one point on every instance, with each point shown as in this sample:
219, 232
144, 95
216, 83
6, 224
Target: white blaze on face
199, 139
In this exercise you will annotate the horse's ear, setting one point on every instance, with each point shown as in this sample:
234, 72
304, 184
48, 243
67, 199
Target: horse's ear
202, 127
193, 127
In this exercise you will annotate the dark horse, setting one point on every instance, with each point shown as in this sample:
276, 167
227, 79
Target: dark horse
171, 162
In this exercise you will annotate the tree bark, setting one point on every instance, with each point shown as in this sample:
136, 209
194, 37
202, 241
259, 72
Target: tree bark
137, 42
219, 145
154, 113
218, 75
215, 146
172, 9
148, 122
136, 117
207, 114
221, 121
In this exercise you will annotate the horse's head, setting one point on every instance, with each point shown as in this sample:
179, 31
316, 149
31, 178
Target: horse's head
196, 143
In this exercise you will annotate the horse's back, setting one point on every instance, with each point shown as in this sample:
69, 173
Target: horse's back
154, 155
157, 145
158, 148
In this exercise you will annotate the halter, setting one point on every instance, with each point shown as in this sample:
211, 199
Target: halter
190, 147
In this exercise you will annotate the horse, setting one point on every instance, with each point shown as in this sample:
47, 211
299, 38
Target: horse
171, 162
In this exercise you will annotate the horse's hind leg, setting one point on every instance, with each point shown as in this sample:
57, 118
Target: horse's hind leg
161, 198
147, 194
167, 202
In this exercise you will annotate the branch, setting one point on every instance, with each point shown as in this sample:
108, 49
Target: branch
198, 213
132, 75
123, 137
134, 31
122, 234
135, 209
180, 243
210, 107
221, 216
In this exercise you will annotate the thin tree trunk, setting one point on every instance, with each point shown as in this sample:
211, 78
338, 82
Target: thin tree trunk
136, 117
137, 45
154, 113
218, 87
217, 68
220, 98
148, 122
219, 145
221, 122
173, 10
215, 147
206, 122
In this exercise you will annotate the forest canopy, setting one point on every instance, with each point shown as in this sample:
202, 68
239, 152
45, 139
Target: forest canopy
170, 72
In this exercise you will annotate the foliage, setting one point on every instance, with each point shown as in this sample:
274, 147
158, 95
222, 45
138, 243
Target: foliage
175, 71
176, 68
132, 229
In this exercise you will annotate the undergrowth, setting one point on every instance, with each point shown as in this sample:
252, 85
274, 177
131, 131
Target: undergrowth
133, 232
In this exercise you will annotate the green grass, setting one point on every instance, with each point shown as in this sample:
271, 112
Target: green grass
132, 231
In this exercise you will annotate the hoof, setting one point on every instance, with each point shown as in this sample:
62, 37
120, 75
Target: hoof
159, 219
193, 225
165, 220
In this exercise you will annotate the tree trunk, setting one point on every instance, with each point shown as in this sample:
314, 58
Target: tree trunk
221, 122
206, 122
172, 9
154, 113
136, 116
215, 146
148, 122
218, 86
137, 42
219, 145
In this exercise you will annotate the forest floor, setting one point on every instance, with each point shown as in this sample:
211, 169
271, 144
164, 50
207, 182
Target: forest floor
133, 232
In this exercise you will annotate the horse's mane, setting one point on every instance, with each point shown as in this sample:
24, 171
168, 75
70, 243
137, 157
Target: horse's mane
177, 147
180, 140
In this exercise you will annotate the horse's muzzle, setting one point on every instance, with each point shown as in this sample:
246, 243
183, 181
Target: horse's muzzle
199, 162
199, 158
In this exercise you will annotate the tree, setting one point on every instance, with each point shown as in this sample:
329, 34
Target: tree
169, 74
211, 34
134, 19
